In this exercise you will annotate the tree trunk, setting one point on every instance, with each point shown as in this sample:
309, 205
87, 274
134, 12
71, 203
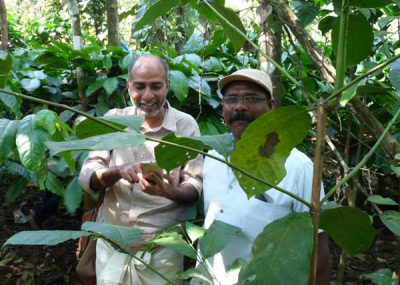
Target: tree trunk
112, 22
270, 42
287, 17
78, 45
4, 26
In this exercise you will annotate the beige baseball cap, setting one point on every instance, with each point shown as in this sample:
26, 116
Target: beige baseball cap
254, 75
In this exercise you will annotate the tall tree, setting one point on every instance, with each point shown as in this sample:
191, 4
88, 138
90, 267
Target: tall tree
112, 22
4, 26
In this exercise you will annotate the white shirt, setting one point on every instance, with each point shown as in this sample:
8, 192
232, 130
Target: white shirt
224, 200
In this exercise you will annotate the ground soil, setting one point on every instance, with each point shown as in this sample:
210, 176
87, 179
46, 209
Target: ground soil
41, 265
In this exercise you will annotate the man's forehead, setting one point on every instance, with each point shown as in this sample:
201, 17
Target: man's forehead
242, 86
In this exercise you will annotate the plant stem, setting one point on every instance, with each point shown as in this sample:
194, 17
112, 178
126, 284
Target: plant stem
281, 69
364, 160
105, 123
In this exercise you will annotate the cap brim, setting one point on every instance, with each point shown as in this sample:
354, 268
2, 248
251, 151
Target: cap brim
238, 77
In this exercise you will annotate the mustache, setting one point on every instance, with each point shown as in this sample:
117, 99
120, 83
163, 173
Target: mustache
241, 117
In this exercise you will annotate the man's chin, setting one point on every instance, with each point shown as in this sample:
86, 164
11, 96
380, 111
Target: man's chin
238, 127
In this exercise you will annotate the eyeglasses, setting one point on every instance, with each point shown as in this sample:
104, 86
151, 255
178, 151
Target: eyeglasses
248, 100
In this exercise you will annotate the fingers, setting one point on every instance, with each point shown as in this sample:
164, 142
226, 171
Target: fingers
130, 172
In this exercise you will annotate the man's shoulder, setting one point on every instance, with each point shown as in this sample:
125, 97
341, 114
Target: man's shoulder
297, 159
179, 115
120, 112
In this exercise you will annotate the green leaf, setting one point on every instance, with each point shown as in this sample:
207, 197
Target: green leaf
265, 145
15, 189
236, 39
223, 143
54, 185
350, 92
170, 157
47, 120
102, 142
52, 237
94, 87
369, 3
391, 219
88, 128
193, 231
110, 85
306, 11
156, 10
394, 77
5, 67
179, 84
18, 169
198, 84
326, 24
360, 39
11, 102
216, 237
175, 241
30, 84
382, 276
8, 132
30, 143
194, 273
73, 195
291, 236
378, 199
122, 236
349, 227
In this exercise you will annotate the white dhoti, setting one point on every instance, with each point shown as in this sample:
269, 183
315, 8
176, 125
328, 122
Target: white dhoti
117, 268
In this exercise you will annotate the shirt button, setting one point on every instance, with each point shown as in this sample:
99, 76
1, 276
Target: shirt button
221, 211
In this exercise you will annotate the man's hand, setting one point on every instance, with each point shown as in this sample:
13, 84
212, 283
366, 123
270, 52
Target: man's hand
130, 172
164, 186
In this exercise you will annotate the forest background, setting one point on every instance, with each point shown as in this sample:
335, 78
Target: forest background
74, 54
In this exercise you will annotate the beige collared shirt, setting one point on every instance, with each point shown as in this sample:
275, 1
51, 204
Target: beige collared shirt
126, 204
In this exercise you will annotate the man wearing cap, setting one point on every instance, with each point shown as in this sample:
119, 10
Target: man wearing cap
247, 94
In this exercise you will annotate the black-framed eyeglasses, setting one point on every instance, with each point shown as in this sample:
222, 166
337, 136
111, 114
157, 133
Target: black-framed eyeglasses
248, 100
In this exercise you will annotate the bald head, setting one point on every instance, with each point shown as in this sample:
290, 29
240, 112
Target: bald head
144, 59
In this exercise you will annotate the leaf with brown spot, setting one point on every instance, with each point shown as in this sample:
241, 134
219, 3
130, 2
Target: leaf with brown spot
268, 149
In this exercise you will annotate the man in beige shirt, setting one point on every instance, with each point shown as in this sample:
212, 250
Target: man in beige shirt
152, 203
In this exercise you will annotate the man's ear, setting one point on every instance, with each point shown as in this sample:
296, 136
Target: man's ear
271, 104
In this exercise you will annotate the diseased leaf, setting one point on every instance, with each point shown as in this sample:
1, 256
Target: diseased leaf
8, 132
265, 145
44, 237
119, 140
216, 237
269, 263
350, 228
391, 219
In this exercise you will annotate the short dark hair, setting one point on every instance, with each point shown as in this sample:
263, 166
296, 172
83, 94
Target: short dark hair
149, 55
266, 92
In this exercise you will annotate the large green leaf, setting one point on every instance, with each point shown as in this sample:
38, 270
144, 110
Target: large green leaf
18, 169
222, 143
265, 145
30, 143
281, 253
73, 195
350, 228
120, 140
169, 157
378, 199
52, 237
15, 189
158, 9
391, 219
94, 87
193, 231
88, 128
110, 85
54, 185
12, 103
359, 41
5, 67
47, 120
233, 18
122, 236
179, 84
369, 3
216, 237
350, 92
8, 132
175, 241
306, 11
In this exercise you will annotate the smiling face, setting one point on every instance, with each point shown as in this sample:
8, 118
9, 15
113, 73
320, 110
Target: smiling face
148, 85
244, 101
